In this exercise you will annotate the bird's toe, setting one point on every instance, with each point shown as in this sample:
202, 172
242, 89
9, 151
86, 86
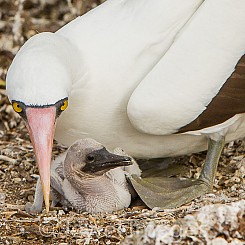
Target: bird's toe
168, 192
32, 209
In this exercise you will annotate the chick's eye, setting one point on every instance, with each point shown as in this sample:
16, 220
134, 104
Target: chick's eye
90, 158
17, 108
64, 106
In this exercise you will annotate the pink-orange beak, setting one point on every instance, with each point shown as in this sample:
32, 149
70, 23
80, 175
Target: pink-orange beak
41, 127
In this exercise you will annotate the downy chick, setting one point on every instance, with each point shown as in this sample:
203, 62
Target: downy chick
87, 178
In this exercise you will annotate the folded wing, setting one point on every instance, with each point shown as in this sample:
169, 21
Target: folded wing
189, 76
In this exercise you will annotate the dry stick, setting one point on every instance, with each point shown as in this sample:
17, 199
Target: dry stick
18, 23
7, 159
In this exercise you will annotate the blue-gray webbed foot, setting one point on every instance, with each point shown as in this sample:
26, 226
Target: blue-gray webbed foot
168, 192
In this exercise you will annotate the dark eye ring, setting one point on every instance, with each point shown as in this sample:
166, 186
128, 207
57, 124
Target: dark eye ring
90, 158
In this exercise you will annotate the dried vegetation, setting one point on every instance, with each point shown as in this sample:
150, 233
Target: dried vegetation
195, 223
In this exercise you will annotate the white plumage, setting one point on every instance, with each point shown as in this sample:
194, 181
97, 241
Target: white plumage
120, 50
99, 60
135, 72
193, 70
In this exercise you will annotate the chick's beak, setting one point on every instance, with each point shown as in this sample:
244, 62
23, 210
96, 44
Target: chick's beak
41, 127
105, 160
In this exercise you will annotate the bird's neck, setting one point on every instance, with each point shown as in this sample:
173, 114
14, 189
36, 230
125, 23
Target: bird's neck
88, 184
84, 182
104, 193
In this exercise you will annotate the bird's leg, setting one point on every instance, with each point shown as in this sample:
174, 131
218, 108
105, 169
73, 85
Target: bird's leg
212, 159
36, 207
165, 192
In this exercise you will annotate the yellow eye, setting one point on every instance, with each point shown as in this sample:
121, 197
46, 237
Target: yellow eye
17, 107
64, 106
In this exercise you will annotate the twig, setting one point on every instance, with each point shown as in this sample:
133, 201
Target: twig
7, 159
18, 22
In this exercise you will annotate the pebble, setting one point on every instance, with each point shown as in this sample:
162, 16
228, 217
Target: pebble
156, 209
235, 179
2, 197
61, 212
238, 158
219, 241
16, 180
30, 198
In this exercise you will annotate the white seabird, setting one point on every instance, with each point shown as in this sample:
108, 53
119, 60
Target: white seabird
154, 77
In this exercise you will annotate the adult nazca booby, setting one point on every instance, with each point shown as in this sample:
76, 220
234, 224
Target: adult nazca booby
154, 77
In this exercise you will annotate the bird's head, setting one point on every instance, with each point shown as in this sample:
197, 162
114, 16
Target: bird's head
90, 157
39, 82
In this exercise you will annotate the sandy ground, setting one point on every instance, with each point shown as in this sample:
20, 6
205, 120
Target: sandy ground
216, 218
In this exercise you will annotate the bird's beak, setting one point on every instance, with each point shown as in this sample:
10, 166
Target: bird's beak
41, 127
106, 161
